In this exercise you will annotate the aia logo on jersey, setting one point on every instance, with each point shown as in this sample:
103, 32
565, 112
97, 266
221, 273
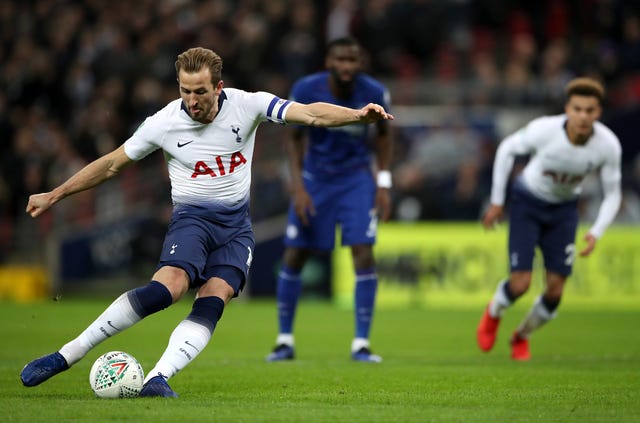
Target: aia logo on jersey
202, 168
235, 130
563, 178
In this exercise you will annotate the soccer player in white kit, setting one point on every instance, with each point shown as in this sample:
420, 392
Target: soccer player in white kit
543, 210
207, 137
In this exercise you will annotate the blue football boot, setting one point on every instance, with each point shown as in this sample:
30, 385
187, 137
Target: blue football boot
41, 369
281, 352
157, 386
364, 354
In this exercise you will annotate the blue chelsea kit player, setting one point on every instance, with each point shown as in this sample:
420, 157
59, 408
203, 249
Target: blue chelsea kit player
333, 184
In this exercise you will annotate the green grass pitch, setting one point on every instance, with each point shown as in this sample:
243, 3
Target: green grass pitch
585, 368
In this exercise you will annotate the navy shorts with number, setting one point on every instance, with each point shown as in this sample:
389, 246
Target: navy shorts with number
208, 243
550, 226
347, 200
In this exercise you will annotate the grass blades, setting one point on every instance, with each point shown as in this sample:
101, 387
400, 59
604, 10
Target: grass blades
585, 368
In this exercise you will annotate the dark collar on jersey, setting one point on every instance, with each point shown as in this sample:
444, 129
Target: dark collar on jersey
221, 99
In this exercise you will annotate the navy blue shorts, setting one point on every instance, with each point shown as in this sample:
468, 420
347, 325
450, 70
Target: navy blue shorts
347, 200
202, 246
550, 226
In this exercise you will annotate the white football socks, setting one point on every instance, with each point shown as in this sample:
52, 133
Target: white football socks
185, 343
538, 316
119, 316
499, 303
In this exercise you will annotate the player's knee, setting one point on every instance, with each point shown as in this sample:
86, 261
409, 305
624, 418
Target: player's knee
362, 256
554, 291
555, 285
217, 287
519, 283
294, 258
174, 279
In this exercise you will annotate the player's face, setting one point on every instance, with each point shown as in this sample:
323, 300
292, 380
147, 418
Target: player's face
582, 111
344, 63
199, 95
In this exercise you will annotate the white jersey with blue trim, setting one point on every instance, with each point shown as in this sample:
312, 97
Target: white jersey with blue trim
556, 167
208, 163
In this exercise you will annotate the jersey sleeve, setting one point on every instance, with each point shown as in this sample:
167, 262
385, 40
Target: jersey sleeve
147, 138
522, 142
269, 107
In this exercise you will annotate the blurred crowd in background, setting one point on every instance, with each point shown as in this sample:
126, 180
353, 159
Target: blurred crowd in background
77, 78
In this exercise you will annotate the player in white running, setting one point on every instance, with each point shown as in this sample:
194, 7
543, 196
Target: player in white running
207, 137
543, 209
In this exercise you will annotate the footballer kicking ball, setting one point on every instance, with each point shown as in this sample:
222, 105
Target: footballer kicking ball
116, 374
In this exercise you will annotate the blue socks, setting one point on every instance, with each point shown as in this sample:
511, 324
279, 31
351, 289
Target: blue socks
551, 304
365, 297
150, 298
289, 287
207, 311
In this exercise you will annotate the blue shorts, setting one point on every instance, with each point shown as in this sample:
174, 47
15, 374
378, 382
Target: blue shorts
347, 200
550, 226
198, 242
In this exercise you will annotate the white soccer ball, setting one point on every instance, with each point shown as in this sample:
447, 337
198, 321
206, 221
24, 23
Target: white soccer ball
116, 374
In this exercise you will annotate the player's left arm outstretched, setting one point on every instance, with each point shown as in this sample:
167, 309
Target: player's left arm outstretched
610, 177
328, 115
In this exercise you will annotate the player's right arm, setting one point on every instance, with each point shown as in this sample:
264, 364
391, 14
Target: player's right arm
88, 177
302, 202
521, 142
502, 166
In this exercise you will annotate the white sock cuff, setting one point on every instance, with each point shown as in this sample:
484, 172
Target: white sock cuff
67, 352
285, 339
359, 343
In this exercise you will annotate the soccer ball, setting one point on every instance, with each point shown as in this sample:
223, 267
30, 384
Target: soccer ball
116, 374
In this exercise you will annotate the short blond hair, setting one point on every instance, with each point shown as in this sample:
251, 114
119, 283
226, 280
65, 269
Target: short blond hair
585, 86
196, 58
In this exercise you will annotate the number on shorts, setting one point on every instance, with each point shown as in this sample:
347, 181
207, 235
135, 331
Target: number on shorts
570, 250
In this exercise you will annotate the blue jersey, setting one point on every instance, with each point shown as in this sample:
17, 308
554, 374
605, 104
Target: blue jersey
338, 150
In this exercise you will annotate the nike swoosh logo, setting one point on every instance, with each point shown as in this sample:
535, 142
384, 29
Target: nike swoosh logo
192, 346
180, 145
109, 323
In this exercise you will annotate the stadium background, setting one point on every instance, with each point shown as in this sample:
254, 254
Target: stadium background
78, 76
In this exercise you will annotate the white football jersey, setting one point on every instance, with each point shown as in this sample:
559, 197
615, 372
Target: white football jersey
556, 167
208, 163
